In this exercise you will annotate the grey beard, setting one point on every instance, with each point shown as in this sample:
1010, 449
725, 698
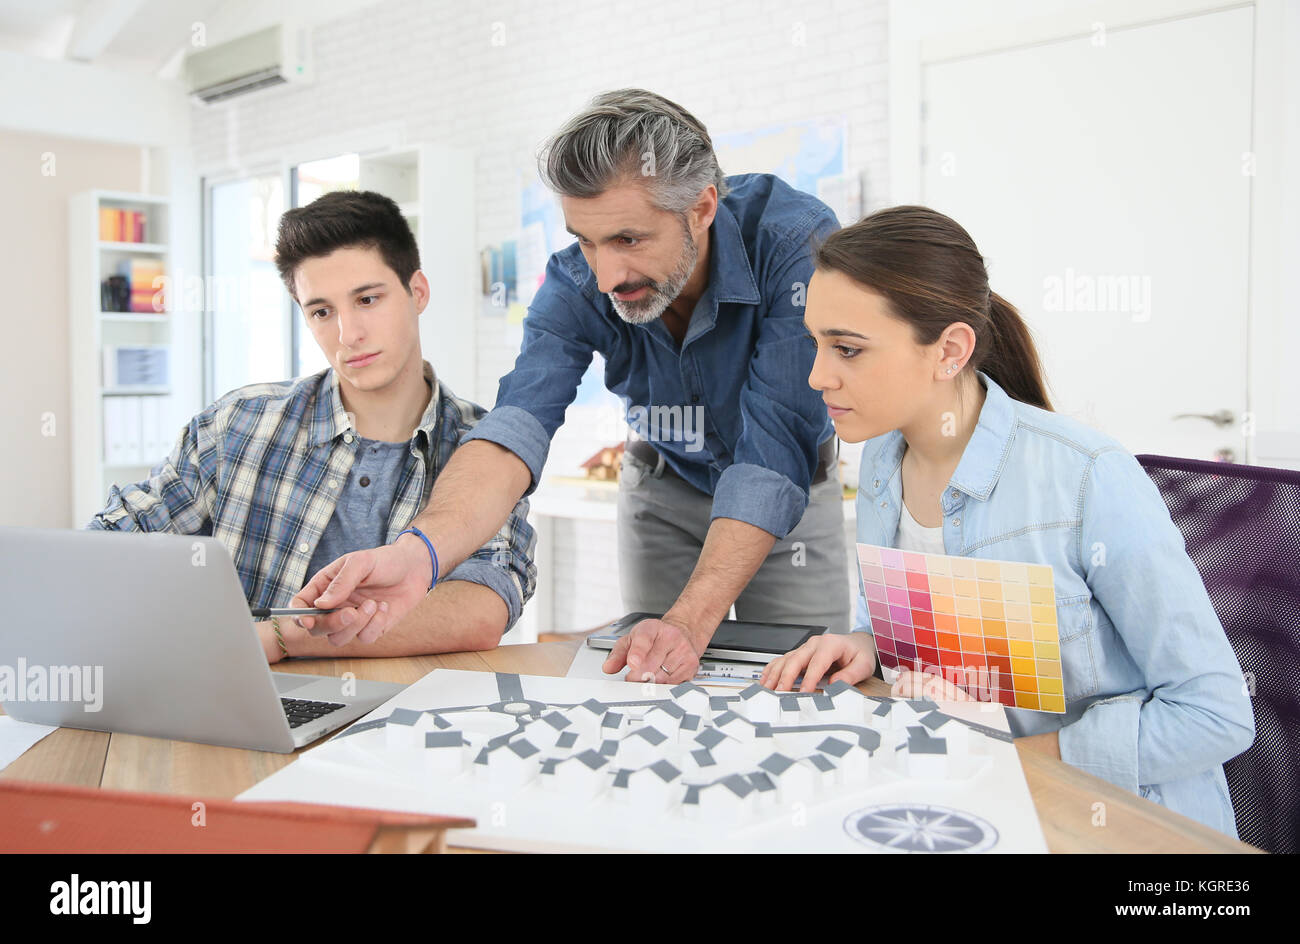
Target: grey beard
661, 294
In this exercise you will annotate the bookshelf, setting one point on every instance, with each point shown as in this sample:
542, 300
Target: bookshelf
129, 407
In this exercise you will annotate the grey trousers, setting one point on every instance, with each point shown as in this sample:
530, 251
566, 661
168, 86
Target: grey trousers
662, 523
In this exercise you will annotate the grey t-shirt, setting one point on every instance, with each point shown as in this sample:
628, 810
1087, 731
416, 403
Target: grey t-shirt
360, 519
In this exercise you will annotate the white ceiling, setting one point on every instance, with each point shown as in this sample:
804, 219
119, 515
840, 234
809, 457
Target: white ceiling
138, 35
145, 36
38, 29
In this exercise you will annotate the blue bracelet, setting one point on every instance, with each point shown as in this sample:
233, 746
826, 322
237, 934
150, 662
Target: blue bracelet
432, 553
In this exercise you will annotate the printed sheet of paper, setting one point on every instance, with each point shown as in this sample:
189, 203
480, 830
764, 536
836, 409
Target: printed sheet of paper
713, 673
17, 736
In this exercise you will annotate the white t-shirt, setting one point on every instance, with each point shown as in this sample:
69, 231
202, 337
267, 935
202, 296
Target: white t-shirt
913, 537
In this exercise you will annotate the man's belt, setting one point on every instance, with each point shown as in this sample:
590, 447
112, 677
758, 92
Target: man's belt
827, 454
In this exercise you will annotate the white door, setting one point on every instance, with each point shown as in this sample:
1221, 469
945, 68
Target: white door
1106, 179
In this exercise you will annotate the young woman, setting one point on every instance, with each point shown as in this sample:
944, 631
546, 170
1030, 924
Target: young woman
963, 456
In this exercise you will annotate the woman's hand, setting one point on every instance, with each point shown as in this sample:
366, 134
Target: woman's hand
853, 653
910, 684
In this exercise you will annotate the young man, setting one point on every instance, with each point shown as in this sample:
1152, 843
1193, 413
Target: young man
691, 287
291, 475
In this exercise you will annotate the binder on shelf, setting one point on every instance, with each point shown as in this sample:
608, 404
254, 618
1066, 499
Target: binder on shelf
154, 432
115, 449
133, 433
135, 430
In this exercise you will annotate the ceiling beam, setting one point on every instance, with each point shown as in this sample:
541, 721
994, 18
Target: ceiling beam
97, 27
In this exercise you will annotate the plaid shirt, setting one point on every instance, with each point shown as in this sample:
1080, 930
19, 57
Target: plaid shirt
261, 469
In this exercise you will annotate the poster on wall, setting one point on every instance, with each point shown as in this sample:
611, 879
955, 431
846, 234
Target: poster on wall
810, 155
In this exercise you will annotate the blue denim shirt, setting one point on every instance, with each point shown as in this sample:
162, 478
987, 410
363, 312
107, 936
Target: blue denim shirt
742, 369
1155, 701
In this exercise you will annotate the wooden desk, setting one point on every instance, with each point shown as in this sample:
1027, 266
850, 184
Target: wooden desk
1064, 797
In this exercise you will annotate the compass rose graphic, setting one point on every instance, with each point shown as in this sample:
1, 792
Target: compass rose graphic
918, 827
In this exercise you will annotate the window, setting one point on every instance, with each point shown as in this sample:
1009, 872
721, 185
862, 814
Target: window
255, 332
248, 336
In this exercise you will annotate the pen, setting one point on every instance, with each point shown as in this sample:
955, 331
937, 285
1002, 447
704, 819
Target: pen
264, 612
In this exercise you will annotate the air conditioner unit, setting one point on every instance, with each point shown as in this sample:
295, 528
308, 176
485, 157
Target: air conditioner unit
274, 56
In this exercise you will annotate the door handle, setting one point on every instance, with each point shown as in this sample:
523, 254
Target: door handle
1221, 418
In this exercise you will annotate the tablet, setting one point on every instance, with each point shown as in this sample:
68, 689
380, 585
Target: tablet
737, 640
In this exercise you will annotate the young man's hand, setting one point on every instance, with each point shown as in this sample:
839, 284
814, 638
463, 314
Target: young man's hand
371, 589
853, 653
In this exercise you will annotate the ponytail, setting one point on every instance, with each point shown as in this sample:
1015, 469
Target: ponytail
1011, 358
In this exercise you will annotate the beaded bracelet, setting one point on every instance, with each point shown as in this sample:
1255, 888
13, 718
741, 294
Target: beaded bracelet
275, 628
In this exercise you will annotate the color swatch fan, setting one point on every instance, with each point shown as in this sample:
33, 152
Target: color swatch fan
987, 626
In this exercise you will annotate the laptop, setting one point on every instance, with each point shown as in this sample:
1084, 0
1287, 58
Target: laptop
150, 634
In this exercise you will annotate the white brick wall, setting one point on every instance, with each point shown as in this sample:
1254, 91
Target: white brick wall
430, 69
589, 549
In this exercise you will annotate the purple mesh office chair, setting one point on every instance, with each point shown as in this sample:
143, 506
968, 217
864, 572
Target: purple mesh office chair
1242, 528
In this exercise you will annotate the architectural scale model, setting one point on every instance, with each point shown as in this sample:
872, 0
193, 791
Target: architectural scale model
554, 763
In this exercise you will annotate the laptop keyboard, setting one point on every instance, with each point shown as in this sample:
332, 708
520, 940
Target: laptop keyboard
299, 711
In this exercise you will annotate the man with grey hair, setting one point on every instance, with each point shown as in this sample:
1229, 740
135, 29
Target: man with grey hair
691, 287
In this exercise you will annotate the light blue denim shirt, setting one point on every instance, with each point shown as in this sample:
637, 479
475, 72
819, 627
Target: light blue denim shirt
1155, 701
